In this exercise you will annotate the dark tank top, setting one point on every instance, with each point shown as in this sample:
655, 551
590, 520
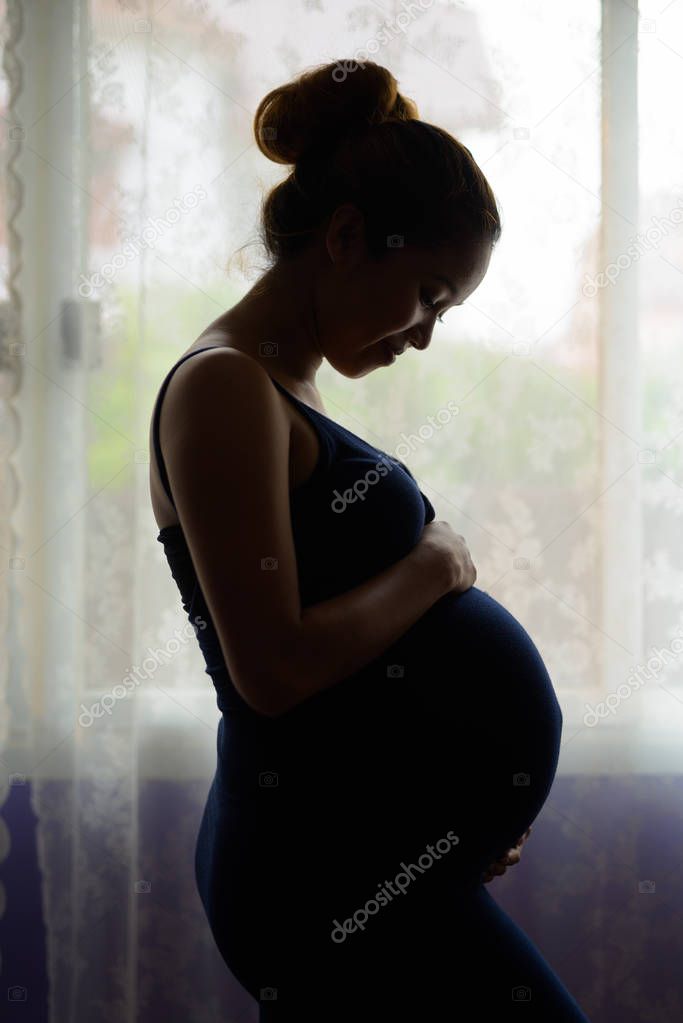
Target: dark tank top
358, 513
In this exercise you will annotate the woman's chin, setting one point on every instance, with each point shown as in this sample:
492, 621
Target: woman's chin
360, 367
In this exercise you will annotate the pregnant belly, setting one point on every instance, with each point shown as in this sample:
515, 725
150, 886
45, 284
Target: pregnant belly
466, 661
456, 726
478, 681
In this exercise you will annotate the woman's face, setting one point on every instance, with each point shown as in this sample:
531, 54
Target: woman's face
370, 307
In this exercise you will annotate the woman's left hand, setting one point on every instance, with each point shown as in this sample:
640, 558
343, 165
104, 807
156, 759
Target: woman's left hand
512, 856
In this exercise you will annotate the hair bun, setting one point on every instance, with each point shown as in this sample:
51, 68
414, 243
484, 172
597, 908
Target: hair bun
324, 104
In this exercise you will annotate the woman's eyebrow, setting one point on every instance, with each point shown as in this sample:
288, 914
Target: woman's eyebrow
449, 285
446, 281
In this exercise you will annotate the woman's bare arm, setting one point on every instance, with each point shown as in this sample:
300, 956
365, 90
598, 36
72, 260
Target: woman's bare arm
339, 636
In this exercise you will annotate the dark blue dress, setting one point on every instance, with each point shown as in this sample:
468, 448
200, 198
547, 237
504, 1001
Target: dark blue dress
342, 844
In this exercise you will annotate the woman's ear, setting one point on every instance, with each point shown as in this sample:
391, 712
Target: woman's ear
345, 235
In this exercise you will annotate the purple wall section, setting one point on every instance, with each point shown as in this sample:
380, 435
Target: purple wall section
599, 891
23, 969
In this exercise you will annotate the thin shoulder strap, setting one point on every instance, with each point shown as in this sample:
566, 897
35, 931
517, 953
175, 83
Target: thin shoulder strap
157, 415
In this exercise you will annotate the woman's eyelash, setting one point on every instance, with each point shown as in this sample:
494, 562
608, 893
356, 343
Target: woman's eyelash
429, 304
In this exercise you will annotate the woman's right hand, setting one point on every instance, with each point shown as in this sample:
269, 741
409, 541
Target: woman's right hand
511, 857
449, 550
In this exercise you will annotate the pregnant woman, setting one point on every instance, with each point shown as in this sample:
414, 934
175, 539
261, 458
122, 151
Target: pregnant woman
388, 730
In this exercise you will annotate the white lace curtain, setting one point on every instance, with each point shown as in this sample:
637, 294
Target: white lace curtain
131, 180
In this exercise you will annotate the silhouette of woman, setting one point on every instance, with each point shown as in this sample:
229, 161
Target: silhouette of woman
387, 728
